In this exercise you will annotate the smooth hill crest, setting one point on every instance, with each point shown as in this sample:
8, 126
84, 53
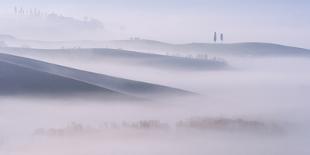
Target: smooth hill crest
27, 74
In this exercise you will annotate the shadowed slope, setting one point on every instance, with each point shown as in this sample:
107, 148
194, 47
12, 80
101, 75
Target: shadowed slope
135, 88
18, 80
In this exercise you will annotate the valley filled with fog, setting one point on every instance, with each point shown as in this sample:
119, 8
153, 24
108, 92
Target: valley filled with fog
230, 104
169, 77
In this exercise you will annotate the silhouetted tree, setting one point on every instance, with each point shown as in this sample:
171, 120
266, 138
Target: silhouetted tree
222, 37
215, 37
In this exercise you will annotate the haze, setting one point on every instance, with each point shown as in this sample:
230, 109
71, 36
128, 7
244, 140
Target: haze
284, 22
154, 77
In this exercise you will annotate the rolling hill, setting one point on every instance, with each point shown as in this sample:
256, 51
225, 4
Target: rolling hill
256, 49
20, 75
123, 57
18, 80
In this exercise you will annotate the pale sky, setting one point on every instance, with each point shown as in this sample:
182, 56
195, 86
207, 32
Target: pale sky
180, 21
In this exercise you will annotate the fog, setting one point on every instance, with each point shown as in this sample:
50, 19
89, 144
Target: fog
149, 77
169, 20
272, 92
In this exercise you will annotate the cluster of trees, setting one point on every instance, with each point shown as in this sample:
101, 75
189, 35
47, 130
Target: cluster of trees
72, 128
34, 12
78, 128
29, 12
221, 124
49, 21
191, 56
197, 56
204, 123
146, 124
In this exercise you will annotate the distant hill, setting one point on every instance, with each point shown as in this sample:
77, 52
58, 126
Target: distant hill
22, 76
124, 57
234, 49
249, 49
254, 49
